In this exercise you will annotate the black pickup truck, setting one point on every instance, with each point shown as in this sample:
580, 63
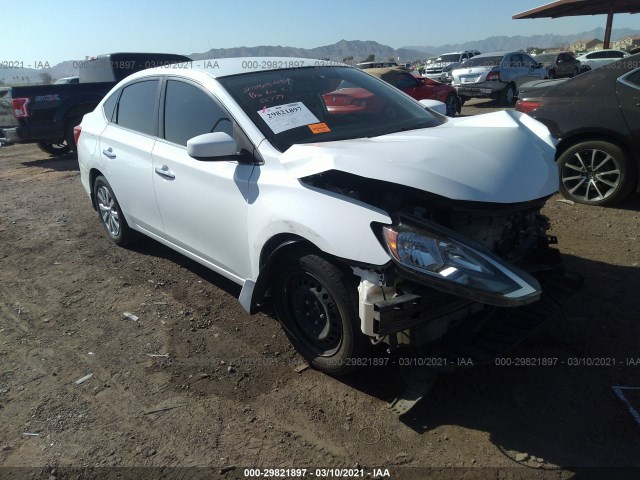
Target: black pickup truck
46, 114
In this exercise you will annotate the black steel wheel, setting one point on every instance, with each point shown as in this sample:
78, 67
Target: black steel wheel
596, 173
317, 305
110, 213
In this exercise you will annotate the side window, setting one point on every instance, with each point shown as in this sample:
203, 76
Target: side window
615, 54
137, 108
109, 106
527, 61
595, 55
405, 81
464, 57
634, 78
516, 61
189, 112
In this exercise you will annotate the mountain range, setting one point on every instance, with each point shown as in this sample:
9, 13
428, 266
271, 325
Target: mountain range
357, 49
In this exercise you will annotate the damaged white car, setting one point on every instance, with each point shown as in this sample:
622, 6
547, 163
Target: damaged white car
365, 217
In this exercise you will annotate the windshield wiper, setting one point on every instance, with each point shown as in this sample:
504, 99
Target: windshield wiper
403, 129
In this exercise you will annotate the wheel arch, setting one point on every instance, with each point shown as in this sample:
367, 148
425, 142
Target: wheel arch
273, 251
93, 174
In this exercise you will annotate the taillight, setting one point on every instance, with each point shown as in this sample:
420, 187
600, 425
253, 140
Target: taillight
527, 106
493, 76
76, 133
20, 107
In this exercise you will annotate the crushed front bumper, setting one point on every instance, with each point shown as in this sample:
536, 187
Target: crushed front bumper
460, 331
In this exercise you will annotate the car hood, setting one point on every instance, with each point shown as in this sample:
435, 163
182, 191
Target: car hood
501, 157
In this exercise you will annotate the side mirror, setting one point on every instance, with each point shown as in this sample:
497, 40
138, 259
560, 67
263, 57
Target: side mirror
212, 145
435, 105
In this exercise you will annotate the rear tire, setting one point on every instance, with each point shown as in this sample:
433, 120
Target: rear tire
596, 172
68, 133
110, 213
508, 95
317, 304
55, 149
452, 104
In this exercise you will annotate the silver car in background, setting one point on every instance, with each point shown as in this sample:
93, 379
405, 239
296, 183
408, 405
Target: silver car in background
496, 75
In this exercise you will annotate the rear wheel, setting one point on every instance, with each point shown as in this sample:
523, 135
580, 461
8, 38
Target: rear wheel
55, 149
318, 307
508, 95
596, 173
452, 105
110, 213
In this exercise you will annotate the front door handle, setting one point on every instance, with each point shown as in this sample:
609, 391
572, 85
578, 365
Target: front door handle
164, 171
108, 152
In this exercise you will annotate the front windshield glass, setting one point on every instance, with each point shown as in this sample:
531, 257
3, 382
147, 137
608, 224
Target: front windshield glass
323, 104
483, 62
545, 58
448, 58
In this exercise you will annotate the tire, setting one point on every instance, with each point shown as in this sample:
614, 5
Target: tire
508, 95
110, 213
552, 74
317, 305
55, 149
68, 133
576, 72
596, 173
452, 104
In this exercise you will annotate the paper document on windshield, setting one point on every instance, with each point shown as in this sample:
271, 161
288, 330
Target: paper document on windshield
286, 117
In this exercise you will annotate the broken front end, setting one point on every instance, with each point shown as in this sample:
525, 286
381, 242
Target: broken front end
467, 280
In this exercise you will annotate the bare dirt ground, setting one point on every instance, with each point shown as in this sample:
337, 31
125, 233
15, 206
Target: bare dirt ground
195, 382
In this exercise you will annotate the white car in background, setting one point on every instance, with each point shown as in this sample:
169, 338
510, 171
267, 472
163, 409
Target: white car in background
364, 217
599, 58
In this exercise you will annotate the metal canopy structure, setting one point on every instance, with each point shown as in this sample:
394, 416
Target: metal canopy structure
573, 8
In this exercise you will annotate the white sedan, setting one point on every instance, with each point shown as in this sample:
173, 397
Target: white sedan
363, 216
599, 58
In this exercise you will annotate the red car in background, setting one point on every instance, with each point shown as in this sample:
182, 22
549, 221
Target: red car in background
420, 88
351, 100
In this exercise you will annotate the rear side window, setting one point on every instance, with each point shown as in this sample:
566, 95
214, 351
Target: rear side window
189, 112
615, 54
403, 80
138, 107
634, 78
109, 106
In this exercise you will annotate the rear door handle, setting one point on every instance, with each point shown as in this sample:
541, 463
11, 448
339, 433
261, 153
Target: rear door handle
165, 172
108, 152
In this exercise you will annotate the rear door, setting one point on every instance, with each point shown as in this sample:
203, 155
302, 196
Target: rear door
125, 150
203, 203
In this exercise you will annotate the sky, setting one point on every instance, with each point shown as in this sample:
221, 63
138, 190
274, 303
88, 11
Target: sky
54, 31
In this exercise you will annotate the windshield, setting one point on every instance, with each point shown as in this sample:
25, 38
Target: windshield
322, 104
454, 57
483, 62
545, 58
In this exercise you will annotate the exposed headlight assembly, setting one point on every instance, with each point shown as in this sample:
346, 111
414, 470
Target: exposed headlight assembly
448, 262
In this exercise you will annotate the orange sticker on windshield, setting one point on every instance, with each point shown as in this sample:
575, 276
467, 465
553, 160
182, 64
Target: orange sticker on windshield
319, 128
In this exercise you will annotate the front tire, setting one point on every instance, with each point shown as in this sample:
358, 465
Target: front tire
110, 213
596, 173
317, 305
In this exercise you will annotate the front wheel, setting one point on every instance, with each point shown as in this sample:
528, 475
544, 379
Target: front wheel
596, 173
55, 149
318, 307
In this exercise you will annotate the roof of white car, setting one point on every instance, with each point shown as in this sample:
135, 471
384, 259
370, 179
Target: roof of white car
222, 67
